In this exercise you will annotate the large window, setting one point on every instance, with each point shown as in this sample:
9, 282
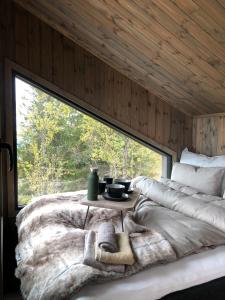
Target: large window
57, 144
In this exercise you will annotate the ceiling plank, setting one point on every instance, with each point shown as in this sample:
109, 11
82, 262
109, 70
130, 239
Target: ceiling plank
174, 48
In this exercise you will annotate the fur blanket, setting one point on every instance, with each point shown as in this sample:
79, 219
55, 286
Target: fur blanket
51, 236
51, 246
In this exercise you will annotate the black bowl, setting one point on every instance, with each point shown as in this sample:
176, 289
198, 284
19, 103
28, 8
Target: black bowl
115, 190
124, 182
101, 186
109, 180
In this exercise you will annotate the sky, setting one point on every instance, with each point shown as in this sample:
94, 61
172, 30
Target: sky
23, 100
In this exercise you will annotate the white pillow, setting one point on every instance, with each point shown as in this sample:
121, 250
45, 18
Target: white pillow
204, 180
201, 160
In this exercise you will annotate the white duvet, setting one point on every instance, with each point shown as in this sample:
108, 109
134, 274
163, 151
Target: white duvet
161, 280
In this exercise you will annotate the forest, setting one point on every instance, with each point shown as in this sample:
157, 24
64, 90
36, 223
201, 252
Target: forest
57, 145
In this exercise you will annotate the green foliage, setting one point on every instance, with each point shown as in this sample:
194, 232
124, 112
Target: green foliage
48, 150
57, 145
125, 157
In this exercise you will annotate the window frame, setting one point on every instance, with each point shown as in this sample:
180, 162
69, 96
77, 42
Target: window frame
13, 71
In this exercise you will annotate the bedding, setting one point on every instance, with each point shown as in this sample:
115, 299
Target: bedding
201, 160
155, 283
189, 223
51, 247
205, 180
166, 225
178, 187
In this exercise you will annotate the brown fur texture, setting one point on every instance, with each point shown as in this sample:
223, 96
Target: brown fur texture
50, 252
51, 246
51, 239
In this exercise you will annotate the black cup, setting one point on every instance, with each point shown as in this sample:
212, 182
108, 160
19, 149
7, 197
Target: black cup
125, 182
101, 186
115, 190
109, 180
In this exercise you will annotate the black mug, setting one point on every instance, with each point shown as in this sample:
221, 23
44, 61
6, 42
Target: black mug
101, 187
109, 180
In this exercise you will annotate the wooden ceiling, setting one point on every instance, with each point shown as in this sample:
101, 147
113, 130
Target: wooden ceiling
173, 48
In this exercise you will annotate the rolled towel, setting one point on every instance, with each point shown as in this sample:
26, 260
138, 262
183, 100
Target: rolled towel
89, 256
123, 256
106, 238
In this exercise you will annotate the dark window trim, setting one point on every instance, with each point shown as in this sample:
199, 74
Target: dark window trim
16, 74
16, 206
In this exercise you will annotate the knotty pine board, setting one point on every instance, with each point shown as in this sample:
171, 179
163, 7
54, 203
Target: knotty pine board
209, 134
60, 61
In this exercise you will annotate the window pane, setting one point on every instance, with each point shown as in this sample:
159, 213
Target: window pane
57, 144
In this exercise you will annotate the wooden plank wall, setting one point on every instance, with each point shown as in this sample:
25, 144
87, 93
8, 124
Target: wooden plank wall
37, 47
175, 48
209, 134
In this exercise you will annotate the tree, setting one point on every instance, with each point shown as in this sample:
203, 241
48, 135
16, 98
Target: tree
125, 157
57, 145
48, 149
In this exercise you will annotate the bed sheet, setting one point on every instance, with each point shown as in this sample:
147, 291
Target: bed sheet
161, 280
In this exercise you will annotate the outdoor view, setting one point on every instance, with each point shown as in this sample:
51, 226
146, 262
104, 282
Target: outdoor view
57, 145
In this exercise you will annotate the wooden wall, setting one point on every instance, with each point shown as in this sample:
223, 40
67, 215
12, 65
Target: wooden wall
175, 48
209, 134
37, 47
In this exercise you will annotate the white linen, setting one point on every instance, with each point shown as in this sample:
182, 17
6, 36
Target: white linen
201, 160
203, 179
161, 280
178, 187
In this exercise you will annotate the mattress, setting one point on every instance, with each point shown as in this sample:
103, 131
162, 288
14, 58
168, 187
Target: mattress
161, 280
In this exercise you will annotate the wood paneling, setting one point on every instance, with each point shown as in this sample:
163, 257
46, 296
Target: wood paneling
173, 48
209, 134
59, 64
45, 52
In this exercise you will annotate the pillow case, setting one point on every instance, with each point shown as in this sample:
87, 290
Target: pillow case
205, 180
201, 160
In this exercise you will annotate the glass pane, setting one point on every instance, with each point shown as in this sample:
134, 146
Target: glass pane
57, 144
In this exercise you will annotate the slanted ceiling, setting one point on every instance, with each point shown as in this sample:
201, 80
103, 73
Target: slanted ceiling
173, 48
34, 49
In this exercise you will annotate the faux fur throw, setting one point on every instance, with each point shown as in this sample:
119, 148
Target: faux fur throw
51, 247
167, 224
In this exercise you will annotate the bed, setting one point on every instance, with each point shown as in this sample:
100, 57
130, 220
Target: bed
162, 280
177, 234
